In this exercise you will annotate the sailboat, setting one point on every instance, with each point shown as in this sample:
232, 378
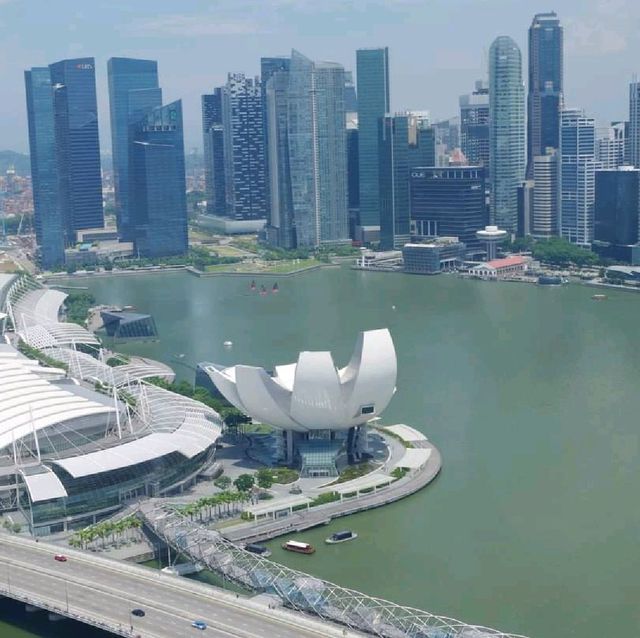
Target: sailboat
253, 285
263, 290
275, 288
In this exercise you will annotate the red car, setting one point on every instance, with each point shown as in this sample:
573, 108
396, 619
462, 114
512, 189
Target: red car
60, 557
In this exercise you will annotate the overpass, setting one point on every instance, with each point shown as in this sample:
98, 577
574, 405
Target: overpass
102, 592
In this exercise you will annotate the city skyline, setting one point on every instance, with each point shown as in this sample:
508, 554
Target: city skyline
598, 38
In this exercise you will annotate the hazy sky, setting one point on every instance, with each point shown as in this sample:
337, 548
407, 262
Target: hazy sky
437, 47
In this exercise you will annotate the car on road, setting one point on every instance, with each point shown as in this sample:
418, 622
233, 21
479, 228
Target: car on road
61, 558
138, 612
199, 624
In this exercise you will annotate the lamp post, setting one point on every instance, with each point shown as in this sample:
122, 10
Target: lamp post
66, 594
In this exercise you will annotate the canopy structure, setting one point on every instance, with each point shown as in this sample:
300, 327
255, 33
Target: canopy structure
43, 486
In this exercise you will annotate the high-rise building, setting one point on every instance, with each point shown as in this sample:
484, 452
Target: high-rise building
617, 212
48, 217
133, 92
157, 191
577, 176
525, 208
448, 202
213, 144
372, 67
244, 156
317, 151
544, 101
506, 131
474, 126
394, 181
422, 139
544, 217
353, 172
77, 144
611, 146
634, 124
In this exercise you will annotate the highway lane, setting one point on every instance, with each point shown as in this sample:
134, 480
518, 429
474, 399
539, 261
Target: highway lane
105, 589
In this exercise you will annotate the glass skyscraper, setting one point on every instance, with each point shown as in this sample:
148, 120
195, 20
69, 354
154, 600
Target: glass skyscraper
372, 68
506, 131
634, 124
545, 85
474, 126
133, 92
577, 176
49, 221
213, 139
77, 144
157, 192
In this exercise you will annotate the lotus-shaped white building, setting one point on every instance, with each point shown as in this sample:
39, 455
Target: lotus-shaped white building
313, 394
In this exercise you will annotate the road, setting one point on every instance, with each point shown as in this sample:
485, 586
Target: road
107, 591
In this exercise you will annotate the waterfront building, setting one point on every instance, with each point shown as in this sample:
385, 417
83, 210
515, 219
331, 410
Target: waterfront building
577, 176
133, 92
317, 152
500, 268
448, 202
491, 236
506, 131
525, 208
545, 98
433, 257
634, 124
48, 215
373, 103
612, 146
320, 410
244, 154
544, 217
213, 144
617, 214
158, 188
77, 144
474, 126
393, 148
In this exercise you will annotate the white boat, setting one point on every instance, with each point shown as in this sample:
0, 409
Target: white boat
228, 344
341, 537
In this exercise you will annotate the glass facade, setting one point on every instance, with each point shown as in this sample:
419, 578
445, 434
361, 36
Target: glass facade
372, 70
129, 325
213, 143
49, 222
617, 206
474, 126
634, 124
506, 131
133, 91
158, 188
77, 144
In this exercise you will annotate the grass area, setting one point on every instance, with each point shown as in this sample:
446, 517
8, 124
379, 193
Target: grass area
323, 499
399, 472
355, 471
257, 428
285, 475
393, 435
77, 305
264, 267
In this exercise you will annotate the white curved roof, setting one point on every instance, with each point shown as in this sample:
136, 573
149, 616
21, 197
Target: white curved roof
313, 394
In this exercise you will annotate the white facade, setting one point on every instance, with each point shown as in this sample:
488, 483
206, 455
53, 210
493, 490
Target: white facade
313, 394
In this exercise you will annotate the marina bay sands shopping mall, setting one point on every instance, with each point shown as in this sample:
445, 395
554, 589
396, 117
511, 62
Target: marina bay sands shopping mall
80, 437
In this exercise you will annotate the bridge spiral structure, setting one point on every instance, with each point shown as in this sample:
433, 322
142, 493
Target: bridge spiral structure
300, 591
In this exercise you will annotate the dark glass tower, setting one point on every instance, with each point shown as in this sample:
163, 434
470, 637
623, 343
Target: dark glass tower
133, 92
373, 104
213, 139
474, 126
157, 187
544, 102
77, 144
49, 221
617, 206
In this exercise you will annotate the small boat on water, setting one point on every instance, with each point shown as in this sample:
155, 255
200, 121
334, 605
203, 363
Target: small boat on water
228, 344
275, 288
263, 291
341, 537
256, 548
300, 548
253, 285
599, 297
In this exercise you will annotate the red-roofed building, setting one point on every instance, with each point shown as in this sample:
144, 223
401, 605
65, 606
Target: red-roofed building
500, 268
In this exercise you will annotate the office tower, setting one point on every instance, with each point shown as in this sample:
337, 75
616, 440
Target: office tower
213, 144
634, 124
350, 96
157, 192
244, 148
448, 202
353, 173
544, 101
281, 226
474, 126
133, 91
317, 151
394, 181
506, 131
372, 67
544, 218
577, 176
77, 144
617, 213
422, 139
48, 217
611, 146
525, 208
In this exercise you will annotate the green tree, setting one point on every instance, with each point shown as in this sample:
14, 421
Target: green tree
264, 478
244, 482
224, 482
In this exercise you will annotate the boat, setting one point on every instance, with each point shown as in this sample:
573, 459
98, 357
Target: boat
550, 280
599, 297
228, 344
300, 548
341, 537
256, 548
275, 288
253, 285
263, 290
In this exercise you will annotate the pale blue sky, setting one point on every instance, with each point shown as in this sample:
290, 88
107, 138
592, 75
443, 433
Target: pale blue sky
437, 47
